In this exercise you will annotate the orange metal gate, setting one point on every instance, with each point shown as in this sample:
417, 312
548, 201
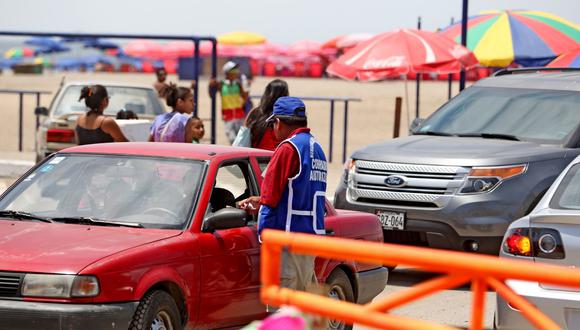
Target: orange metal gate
460, 268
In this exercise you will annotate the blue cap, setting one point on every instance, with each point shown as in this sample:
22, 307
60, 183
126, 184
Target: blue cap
289, 107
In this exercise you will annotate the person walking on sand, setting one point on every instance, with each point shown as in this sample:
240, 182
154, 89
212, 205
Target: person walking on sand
261, 132
93, 126
293, 190
233, 98
171, 126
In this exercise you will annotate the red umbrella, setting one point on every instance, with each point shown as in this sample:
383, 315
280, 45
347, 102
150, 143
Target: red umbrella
304, 47
400, 52
143, 48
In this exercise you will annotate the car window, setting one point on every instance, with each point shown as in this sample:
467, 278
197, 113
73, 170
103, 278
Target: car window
567, 196
142, 101
157, 193
543, 116
231, 185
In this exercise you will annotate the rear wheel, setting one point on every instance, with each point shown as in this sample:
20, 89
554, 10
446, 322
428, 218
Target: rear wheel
340, 288
156, 311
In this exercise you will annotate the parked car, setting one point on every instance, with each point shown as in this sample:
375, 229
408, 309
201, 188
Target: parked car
549, 234
481, 161
56, 131
147, 236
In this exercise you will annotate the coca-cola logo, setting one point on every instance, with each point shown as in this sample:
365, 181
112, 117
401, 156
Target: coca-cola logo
389, 62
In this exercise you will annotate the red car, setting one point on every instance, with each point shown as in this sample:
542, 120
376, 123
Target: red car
146, 236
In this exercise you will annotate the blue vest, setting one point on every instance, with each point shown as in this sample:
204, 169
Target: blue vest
301, 207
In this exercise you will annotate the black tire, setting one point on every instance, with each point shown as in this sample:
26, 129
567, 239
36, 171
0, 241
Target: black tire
339, 287
157, 310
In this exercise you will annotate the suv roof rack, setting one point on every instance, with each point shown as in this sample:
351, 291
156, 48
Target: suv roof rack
507, 71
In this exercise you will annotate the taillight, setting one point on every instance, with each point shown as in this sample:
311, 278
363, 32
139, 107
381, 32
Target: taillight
60, 135
537, 242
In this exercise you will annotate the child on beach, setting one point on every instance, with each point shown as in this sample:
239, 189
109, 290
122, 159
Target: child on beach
194, 131
233, 97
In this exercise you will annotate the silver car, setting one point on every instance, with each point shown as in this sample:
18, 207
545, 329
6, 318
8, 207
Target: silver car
549, 234
56, 131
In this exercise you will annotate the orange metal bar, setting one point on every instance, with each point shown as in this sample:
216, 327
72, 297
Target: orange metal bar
534, 315
351, 313
461, 266
479, 288
418, 291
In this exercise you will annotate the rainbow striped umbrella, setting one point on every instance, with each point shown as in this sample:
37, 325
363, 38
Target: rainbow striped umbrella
569, 59
528, 38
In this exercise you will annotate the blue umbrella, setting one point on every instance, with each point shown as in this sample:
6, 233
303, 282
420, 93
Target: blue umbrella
56, 48
100, 44
44, 42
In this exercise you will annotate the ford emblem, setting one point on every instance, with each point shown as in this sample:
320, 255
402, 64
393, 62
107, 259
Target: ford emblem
395, 181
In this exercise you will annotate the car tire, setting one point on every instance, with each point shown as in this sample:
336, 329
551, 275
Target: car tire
339, 287
157, 310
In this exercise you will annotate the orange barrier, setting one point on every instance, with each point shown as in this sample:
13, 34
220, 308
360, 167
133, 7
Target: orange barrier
461, 268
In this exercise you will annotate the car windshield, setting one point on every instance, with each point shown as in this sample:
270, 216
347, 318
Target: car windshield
142, 101
542, 116
144, 191
567, 195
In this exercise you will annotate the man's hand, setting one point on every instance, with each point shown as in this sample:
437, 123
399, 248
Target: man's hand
251, 205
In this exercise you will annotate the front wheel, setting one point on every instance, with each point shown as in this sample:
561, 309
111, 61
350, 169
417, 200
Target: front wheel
340, 288
156, 311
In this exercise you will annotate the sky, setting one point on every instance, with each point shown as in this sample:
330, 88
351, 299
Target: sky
281, 21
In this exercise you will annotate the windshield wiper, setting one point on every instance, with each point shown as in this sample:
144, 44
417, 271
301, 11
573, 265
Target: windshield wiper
491, 136
433, 133
20, 215
97, 222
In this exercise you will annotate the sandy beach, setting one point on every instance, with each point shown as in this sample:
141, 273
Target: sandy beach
370, 120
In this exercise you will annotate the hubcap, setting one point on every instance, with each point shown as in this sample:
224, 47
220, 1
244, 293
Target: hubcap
162, 321
337, 293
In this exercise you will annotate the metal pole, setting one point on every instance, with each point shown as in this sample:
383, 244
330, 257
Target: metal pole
37, 105
463, 41
417, 79
449, 85
331, 131
398, 106
344, 138
20, 119
213, 103
195, 75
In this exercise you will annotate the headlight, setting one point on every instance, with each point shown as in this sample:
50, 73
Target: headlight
349, 169
484, 179
59, 286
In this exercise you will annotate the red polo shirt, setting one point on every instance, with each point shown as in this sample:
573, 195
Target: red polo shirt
285, 163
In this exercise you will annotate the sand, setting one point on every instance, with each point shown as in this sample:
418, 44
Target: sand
370, 120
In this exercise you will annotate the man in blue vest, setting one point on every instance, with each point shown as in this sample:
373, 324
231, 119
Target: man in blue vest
294, 186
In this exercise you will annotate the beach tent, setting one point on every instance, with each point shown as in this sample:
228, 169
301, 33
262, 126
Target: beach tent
241, 38
524, 37
569, 59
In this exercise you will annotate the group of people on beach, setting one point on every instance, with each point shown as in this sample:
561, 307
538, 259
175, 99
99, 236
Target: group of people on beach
180, 125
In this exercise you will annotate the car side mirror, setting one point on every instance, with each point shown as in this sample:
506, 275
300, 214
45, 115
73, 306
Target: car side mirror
226, 218
41, 111
415, 124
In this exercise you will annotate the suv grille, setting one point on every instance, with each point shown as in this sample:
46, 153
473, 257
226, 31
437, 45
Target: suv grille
10, 284
422, 185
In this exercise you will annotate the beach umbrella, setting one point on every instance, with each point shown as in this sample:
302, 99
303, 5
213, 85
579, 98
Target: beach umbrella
55, 48
241, 38
401, 52
347, 40
143, 48
528, 38
569, 59
305, 48
99, 44
44, 42
18, 52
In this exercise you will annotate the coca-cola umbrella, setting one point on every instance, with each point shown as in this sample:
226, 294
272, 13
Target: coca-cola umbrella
401, 52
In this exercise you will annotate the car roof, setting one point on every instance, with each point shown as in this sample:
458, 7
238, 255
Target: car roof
106, 84
173, 150
569, 81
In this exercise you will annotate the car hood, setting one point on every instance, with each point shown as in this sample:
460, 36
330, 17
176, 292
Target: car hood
458, 151
27, 246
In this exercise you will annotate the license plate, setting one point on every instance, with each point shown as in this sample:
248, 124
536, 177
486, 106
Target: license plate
392, 220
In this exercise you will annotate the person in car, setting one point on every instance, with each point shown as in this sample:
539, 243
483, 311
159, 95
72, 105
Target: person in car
171, 127
261, 132
93, 126
293, 189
